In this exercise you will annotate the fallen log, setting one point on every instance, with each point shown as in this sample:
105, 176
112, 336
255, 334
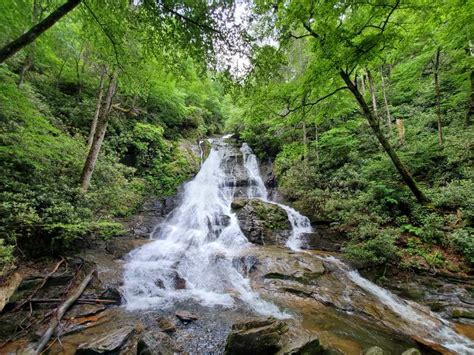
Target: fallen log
79, 300
61, 310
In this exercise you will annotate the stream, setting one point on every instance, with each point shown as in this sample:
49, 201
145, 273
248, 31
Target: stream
200, 259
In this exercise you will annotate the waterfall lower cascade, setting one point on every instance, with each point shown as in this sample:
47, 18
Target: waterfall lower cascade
192, 255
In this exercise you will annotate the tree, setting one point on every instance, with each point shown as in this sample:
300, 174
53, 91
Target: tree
347, 35
34, 32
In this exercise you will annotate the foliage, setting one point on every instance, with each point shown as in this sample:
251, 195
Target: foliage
167, 98
326, 158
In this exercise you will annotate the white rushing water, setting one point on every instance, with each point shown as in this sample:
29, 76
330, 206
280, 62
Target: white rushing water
199, 241
196, 245
299, 224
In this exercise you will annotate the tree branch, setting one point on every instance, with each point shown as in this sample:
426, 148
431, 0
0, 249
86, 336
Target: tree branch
109, 36
294, 109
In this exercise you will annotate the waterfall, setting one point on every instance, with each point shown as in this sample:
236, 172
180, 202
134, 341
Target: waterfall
195, 245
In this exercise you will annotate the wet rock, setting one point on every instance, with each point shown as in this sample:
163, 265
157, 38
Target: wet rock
238, 203
83, 310
186, 317
462, 313
111, 293
375, 350
430, 347
166, 325
179, 283
111, 342
245, 264
411, 351
156, 343
323, 238
256, 337
262, 222
312, 347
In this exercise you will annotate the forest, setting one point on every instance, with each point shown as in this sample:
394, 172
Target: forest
362, 110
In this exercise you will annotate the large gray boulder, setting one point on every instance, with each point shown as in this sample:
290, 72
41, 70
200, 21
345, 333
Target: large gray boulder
261, 222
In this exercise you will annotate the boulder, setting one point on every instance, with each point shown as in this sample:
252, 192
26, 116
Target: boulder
166, 325
256, 337
152, 343
312, 347
110, 342
185, 316
262, 222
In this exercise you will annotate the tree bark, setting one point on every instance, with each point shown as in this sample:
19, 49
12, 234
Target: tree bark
401, 130
34, 32
387, 109
98, 135
372, 93
438, 96
374, 124
100, 94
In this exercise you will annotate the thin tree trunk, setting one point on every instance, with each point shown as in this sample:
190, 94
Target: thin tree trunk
37, 12
470, 111
389, 117
363, 84
100, 94
305, 137
438, 96
98, 135
34, 32
58, 78
370, 116
372, 93
316, 137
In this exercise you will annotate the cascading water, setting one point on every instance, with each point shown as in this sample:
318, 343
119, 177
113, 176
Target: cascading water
299, 224
193, 254
196, 245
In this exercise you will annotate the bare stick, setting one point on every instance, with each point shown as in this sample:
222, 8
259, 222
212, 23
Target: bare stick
61, 310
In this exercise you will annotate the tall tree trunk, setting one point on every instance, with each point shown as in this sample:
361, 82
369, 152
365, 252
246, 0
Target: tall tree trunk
438, 96
37, 12
34, 32
363, 85
98, 135
372, 93
100, 93
316, 138
305, 137
374, 124
387, 109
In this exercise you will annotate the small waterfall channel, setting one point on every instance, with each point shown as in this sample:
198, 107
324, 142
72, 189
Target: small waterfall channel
193, 253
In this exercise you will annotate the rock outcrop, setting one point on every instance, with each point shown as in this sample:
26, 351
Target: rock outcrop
256, 337
262, 222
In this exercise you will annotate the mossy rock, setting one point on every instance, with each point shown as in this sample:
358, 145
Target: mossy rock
262, 222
